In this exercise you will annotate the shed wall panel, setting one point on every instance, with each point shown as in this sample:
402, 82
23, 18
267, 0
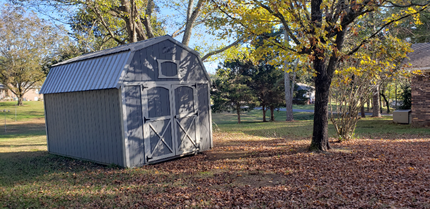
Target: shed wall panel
133, 105
85, 125
204, 116
144, 65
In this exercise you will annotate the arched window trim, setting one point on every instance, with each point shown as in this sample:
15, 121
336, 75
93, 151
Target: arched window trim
160, 74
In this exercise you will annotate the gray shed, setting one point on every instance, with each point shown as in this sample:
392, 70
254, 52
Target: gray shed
131, 105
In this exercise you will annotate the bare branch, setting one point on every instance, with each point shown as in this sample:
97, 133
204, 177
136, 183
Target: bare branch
222, 49
282, 19
147, 19
356, 48
407, 5
96, 10
191, 18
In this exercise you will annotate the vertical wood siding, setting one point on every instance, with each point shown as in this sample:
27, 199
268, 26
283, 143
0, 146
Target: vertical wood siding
134, 125
85, 125
204, 117
144, 65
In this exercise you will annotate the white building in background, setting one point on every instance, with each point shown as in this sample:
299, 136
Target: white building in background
31, 95
310, 91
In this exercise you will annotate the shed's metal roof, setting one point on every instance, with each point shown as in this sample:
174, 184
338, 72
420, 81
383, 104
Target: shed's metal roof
97, 70
87, 74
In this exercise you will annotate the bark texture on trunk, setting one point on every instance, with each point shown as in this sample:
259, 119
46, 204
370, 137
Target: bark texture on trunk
288, 100
387, 103
264, 113
238, 113
20, 99
272, 116
375, 105
324, 69
368, 105
320, 128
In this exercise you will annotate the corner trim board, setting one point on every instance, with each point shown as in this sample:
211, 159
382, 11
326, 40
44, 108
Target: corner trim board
125, 153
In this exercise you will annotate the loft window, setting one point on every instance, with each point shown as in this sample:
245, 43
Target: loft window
168, 68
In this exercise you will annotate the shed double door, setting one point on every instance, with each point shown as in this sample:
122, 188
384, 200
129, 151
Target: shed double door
169, 120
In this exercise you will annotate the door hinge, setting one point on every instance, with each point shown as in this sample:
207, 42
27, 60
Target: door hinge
148, 158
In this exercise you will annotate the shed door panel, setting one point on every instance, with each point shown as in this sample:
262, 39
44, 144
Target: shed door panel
185, 119
158, 127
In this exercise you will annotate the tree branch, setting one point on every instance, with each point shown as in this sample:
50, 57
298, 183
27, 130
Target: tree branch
409, 5
105, 25
147, 19
191, 18
221, 50
277, 43
282, 19
356, 48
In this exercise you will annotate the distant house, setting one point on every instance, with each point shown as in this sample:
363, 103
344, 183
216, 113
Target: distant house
31, 95
420, 87
304, 92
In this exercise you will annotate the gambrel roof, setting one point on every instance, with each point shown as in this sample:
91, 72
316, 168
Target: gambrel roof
99, 70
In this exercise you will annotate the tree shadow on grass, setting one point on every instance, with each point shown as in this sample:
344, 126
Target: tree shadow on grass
28, 166
293, 132
23, 145
20, 130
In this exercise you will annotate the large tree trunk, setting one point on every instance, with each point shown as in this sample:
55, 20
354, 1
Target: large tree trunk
288, 92
387, 103
363, 114
380, 103
264, 113
322, 81
288, 100
320, 128
20, 99
192, 14
395, 94
375, 99
272, 110
368, 105
238, 113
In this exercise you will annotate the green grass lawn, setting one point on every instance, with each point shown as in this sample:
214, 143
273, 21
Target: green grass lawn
304, 107
251, 123
29, 110
253, 164
311, 107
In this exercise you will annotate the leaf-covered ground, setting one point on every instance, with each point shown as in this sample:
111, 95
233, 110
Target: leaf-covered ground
242, 170
252, 165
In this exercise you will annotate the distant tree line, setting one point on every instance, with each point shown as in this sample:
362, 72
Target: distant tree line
243, 84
